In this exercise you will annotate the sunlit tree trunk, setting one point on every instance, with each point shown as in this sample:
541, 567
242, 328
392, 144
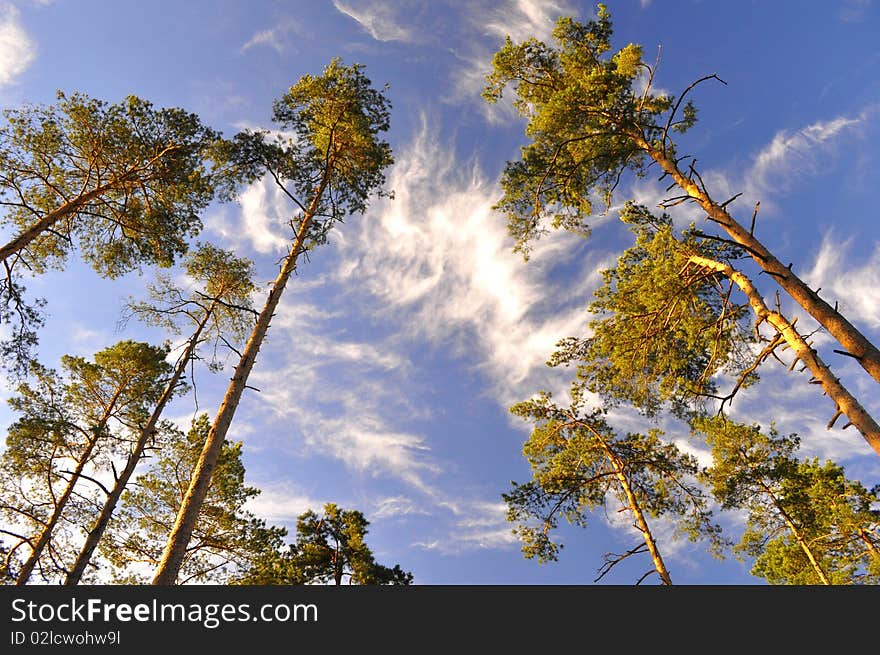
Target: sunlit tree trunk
175, 550
845, 402
146, 433
641, 522
852, 340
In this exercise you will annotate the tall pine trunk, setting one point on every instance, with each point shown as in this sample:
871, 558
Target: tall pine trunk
796, 533
175, 549
853, 341
146, 433
845, 402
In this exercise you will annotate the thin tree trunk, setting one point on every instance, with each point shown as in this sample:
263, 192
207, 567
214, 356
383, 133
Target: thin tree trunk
845, 402
25, 238
175, 548
796, 533
146, 433
46, 534
337, 566
852, 340
869, 542
642, 525
641, 521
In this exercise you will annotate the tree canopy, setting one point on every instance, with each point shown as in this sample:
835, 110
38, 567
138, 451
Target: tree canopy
330, 548
580, 463
593, 115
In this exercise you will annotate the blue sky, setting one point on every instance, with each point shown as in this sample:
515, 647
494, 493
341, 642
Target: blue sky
389, 368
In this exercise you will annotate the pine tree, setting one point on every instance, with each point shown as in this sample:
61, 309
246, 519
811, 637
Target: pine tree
589, 123
226, 538
335, 164
329, 549
217, 313
67, 426
675, 314
580, 463
123, 184
807, 523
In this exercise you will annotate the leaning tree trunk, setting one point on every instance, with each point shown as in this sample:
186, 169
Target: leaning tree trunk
641, 522
146, 433
46, 534
853, 341
175, 549
796, 533
845, 402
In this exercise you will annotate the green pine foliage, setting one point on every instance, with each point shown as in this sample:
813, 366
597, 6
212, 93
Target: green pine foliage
664, 331
227, 536
580, 463
151, 165
330, 548
583, 106
70, 427
807, 523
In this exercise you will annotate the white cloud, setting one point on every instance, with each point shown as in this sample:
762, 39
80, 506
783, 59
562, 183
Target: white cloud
17, 49
378, 19
439, 252
262, 222
854, 11
854, 287
280, 502
375, 448
519, 20
432, 266
397, 506
523, 19
265, 37
340, 396
480, 525
275, 37
791, 156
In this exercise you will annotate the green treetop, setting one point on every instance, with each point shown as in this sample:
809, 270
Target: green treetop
329, 549
580, 463
807, 523
592, 117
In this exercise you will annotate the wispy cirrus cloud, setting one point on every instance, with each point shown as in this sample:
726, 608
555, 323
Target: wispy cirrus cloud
17, 49
277, 38
854, 11
397, 507
261, 224
793, 155
519, 20
281, 502
475, 524
789, 159
434, 265
438, 252
381, 20
522, 19
854, 285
